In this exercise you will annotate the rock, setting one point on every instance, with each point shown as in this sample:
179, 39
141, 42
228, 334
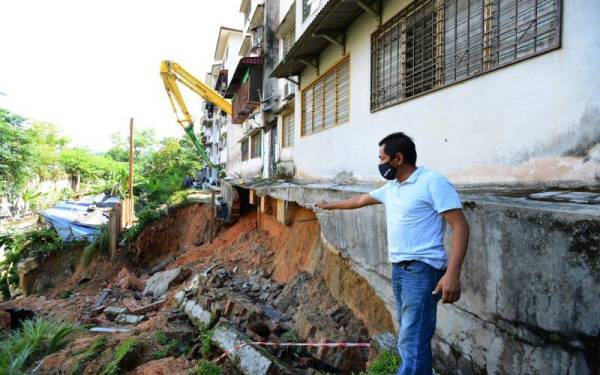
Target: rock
161, 265
129, 319
249, 359
127, 280
131, 304
273, 314
4, 320
159, 283
112, 312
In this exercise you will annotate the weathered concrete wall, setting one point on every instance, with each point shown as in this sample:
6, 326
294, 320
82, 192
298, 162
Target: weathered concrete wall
530, 280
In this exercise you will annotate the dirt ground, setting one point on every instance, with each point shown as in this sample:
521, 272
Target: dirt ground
181, 240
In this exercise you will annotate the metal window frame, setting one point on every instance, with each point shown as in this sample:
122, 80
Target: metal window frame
489, 47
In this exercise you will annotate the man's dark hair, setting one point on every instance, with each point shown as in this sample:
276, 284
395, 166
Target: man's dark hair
400, 143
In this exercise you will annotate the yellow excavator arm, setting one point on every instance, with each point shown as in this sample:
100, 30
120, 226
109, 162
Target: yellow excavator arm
171, 73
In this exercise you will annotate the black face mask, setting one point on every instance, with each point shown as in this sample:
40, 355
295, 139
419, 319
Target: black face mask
387, 171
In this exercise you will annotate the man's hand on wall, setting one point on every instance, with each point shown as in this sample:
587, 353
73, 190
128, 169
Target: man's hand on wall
449, 285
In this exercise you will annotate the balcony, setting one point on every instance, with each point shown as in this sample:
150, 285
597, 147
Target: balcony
245, 88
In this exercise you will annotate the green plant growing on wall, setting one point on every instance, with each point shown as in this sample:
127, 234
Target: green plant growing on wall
37, 242
100, 244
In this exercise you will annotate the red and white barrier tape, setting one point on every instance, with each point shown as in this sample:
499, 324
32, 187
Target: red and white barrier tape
306, 344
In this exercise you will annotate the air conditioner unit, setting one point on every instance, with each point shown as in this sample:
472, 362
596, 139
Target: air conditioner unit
289, 89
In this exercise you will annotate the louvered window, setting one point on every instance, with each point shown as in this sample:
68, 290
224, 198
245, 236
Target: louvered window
326, 102
434, 43
287, 139
245, 143
255, 145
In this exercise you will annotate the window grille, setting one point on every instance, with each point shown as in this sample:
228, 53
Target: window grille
245, 149
255, 146
326, 102
287, 138
434, 43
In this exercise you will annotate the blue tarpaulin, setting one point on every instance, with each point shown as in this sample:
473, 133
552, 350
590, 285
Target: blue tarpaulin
81, 219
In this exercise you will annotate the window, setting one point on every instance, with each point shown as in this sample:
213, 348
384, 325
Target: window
308, 7
287, 133
288, 40
255, 146
245, 149
434, 43
326, 102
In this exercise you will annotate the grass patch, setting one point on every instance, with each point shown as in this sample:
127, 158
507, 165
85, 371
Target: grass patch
91, 353
66, 293
205, 339
36, 339
121, 352
169, 347
386, 363
205, 367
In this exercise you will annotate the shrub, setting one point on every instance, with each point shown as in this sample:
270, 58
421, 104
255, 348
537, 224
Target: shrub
386, 363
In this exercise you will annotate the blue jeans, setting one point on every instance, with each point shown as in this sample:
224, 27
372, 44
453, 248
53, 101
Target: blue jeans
413, 283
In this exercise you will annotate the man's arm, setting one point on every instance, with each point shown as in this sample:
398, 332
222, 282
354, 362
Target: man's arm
449, 285
348, 204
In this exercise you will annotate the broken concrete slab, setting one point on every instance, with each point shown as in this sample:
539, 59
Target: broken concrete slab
197, 313
179, 297
129, 319
250, 360
159, 283
113, 311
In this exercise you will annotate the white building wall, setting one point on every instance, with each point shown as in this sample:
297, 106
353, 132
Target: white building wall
524, 122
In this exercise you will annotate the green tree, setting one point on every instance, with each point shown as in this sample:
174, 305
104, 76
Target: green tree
47, 143
16, 154
144, 141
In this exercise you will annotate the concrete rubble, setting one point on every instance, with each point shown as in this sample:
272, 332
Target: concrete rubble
245, 309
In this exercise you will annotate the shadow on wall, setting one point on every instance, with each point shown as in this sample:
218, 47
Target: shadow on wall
571, 156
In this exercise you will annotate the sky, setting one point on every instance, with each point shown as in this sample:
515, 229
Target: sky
88, 66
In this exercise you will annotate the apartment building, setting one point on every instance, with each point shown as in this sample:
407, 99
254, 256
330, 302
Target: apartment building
215, 125
493, 91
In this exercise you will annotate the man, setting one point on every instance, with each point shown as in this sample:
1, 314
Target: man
418, 204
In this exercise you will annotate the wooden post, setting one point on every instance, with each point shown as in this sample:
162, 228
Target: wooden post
130, 168
113, 230
212, 214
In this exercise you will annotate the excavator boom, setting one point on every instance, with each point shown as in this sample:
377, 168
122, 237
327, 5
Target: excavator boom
171, 73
